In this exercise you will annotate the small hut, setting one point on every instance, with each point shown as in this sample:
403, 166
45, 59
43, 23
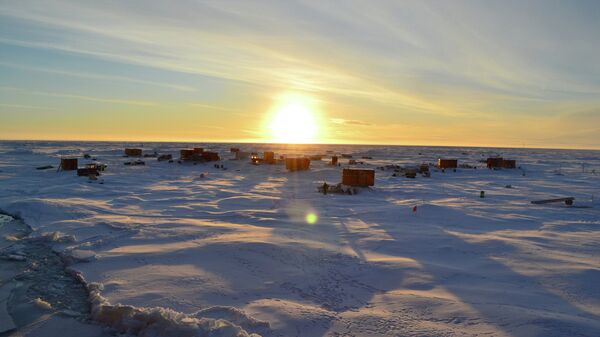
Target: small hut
410, 173
269, 157
509, 163
447, 163
210, 156
358, 177
130, 152
68, 164
494, 162
89, 170
297, 164
186, 154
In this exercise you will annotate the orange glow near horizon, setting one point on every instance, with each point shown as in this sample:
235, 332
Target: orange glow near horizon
294, 120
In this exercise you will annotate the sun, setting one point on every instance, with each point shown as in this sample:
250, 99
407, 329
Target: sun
294, 120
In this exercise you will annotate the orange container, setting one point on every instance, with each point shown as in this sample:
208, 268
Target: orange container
269, 157
447, 163
133, 152
297, 164
68, 164
186, 154
210, 156
494, 162
509, 163
358, 177
88, 171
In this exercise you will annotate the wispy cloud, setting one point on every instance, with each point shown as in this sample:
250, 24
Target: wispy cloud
21, 106
212, 107
350, 122
94, 76
80, 97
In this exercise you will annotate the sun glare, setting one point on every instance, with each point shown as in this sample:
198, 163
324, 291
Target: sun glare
294, 121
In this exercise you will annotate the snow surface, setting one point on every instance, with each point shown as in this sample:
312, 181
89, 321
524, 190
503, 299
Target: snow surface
165, 252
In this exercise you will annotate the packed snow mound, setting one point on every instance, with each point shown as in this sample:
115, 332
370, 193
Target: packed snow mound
157, 322
57, 237
231, 314
5, 219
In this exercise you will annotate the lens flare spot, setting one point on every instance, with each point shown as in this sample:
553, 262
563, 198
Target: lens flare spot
311, 218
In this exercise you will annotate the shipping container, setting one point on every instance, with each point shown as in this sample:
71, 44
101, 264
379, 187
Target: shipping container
269, 157
68, 164
186, 154
447, 163
358, 177
509, 163
210, 156
494, 162
133, 152
88, 171
297, 164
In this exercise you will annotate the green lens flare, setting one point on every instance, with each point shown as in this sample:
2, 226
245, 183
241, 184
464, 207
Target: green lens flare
311, 218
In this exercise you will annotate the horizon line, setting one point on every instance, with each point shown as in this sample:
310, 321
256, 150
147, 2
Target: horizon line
296, 144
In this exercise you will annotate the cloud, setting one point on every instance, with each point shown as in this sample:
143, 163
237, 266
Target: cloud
95, 76
80, 97
350, 122
21, 106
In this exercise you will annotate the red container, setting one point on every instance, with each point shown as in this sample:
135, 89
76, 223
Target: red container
334, 160
269, 157
494, 162
68, 164
358, 177
297, 164
210, 156
88, 171
509, 163
198, 150
186, 154
447, 163
133, 152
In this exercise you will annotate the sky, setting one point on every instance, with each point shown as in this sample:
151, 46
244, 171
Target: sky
465, 73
